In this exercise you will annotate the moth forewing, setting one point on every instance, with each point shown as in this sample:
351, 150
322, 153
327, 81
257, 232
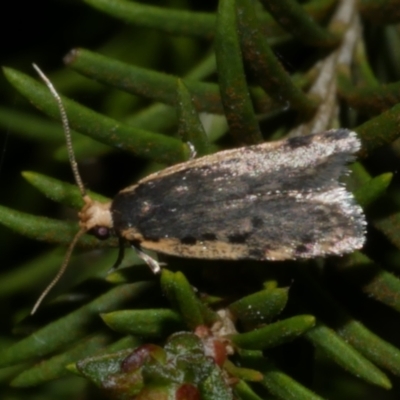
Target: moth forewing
289, 154
275, 201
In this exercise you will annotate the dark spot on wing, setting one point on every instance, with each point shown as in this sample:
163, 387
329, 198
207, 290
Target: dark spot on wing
338, 134
257, 253
301, 249
307, 239
151, 238
322, 216
299, 141
238, 238
209, 236
305, 246
188, 240
257, 222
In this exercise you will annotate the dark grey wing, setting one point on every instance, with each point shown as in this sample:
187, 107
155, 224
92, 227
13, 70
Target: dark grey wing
240, 208
308, 163
280, 226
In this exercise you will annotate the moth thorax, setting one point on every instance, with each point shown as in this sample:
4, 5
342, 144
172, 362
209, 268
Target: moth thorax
95, 217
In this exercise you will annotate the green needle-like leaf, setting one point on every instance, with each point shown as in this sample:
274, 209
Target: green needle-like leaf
370, 100
177, 22
274, 334
260, 307
54, 367
245, 392
141, 81
61, 192
352, 331
279, 384
235, 95
373, 189
190, 128
380, 11
104, 129
371, 278
72, 327
48, 230
293, 18
380, 130
148, 323
346, 356
187, 301
264, 64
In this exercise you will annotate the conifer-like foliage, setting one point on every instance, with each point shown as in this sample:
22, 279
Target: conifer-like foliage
147, 79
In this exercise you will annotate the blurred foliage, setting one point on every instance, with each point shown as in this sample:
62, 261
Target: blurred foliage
145, 79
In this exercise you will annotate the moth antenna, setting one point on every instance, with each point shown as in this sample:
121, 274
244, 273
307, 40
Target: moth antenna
60, 272
66, 128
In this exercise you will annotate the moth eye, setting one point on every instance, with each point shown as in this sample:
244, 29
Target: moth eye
101, 232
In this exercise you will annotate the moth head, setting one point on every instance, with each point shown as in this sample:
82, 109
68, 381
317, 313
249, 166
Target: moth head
95, 218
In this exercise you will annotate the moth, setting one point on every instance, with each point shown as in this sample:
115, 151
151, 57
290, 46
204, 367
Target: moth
272, 201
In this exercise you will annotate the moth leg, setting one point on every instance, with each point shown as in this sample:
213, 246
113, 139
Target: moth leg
121, 252
154, 265
193, 152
